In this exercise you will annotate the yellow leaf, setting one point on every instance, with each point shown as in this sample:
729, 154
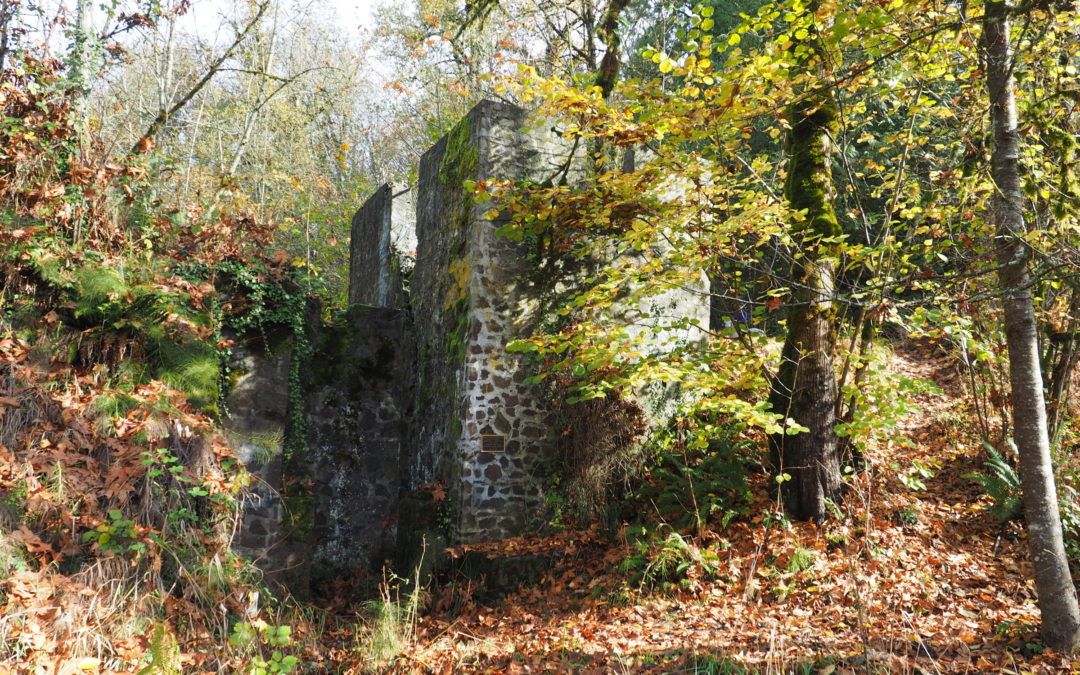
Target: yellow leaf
89, 664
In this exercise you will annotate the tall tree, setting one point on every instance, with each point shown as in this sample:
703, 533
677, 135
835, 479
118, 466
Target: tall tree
804, 389
169, 108
1053, 582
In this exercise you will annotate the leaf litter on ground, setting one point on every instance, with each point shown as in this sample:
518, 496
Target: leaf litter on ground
942, 589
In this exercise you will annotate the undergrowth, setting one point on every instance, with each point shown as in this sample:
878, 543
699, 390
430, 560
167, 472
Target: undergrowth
664, 559
118, 493
1001, 483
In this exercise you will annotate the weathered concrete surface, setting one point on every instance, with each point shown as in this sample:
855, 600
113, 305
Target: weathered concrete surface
469, 300
380, 228
357, 398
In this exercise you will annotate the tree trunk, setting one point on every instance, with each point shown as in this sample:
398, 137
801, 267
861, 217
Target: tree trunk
1053, 582
804, 388
8, 10
83, 52
608, 75
1059, 363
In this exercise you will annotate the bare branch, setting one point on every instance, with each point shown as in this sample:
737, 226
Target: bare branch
164, 114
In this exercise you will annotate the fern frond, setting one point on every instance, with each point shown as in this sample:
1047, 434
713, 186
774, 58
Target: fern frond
1002, 484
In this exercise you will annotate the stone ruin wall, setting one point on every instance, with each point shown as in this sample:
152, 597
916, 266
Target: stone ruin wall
256, 417
416, 389
480, 428
355, 400
381, 245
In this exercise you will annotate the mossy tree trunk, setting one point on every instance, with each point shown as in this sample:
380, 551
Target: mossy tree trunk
1055, 592
607, 76
804, 389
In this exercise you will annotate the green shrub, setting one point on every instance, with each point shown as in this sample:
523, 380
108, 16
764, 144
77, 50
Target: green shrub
689, 486
164, 653
261, 647
189, 366
173, 334
801, 559
391, 619
1001, 483
661, 561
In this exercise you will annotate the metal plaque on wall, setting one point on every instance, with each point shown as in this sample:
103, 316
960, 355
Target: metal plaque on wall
492, 443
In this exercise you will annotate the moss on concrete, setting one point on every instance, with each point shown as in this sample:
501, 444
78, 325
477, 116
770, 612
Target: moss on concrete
459, 334
461, 158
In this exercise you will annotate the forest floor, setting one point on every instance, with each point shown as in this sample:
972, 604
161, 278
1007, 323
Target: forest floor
909, 581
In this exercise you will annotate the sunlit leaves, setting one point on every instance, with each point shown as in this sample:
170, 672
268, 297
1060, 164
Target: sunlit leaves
708, 184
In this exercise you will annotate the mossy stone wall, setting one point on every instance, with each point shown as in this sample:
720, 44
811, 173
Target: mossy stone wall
256, 419
470, 298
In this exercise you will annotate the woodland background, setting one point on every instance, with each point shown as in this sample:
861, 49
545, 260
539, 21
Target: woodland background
869, 472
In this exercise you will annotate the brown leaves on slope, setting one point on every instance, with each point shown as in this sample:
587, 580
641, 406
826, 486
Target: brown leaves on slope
114, 510
908, 581
57, 182
69, 476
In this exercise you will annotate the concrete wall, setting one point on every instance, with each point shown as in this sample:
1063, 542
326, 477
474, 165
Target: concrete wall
383, 233
357, 399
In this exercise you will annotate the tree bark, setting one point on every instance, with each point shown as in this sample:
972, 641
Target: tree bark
805, 388
608, 75
1053, 582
